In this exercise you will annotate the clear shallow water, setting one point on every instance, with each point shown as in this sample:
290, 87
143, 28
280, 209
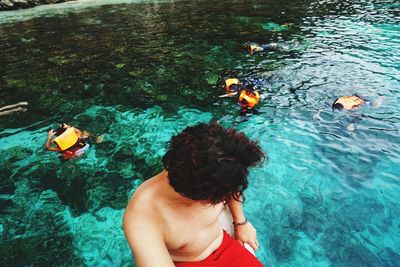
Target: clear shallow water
141, 72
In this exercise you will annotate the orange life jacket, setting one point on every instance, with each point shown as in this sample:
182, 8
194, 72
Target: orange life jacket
248, 99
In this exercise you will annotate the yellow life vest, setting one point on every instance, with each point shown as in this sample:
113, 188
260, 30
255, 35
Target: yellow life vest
67, 139
251, 98
255, 48
229, 82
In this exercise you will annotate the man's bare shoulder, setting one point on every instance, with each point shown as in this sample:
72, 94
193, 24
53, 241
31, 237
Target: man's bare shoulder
143, 203
142, 226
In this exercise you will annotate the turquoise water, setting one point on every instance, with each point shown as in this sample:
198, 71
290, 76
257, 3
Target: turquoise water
141, 72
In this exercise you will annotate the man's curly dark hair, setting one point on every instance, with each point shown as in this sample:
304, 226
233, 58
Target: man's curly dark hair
210, 163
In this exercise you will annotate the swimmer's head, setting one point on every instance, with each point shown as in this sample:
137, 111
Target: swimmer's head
253, 47
61, 129
249, 87
336, 105
232, 84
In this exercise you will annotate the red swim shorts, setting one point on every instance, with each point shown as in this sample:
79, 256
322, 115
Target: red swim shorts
229, 254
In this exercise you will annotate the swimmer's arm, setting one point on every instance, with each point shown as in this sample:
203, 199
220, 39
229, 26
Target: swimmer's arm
317, 115
78, 132
50, 148
244, 233
229, 94
147, 242
378, 102
48, 143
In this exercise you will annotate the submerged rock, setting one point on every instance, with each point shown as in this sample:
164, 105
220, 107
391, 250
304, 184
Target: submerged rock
39, 251
7, 186
283, 244
19, 153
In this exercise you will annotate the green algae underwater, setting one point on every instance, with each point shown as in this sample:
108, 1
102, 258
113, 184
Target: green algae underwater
141, 72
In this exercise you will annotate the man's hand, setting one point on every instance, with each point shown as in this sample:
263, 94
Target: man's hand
51, 133
48, 144
247, 234
244, 231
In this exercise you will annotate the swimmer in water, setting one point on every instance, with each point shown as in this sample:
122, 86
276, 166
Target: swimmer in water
247, 96
70, 141
351, 103
231, 86
348, 102
355, 101
254, 47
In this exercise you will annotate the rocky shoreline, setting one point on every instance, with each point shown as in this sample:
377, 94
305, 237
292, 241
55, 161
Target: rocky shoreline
18, 4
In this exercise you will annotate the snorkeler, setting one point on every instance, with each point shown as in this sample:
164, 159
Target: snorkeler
247, 96
254, 48
248, 99
69, 141
232, 85
351, 103
348, 102
354, 101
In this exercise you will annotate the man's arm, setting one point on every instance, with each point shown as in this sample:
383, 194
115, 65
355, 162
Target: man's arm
229, 94
244, 230
78, 132
378, 101
146, 241
48, 143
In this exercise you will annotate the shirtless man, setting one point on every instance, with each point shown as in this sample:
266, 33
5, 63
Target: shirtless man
172, 219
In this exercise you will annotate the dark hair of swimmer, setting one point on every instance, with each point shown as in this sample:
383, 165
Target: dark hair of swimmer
337, 105
250, 87
235, 87
60, 129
